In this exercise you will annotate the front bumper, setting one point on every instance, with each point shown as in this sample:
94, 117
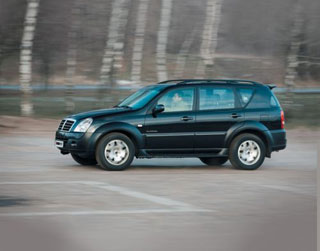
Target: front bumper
72, 142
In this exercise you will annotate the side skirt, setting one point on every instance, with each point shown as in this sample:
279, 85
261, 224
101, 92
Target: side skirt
177, 153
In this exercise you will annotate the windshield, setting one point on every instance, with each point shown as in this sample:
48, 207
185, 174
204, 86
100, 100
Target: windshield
140, 98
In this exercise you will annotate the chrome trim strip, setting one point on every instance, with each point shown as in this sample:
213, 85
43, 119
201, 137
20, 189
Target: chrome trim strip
169, 134
210, 133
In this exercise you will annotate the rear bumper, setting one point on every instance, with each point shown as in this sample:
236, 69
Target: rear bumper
279, 140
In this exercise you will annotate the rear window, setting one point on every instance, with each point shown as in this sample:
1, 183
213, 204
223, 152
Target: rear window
245, 95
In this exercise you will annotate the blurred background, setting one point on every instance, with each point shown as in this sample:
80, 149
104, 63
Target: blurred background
59, 57
65, 56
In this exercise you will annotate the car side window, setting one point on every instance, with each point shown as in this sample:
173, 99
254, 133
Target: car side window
215, 98
274, 102
245, 95
178, 100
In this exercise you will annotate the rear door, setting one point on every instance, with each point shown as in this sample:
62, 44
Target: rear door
218, 109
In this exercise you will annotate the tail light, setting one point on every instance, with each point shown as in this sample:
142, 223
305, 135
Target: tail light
282, 120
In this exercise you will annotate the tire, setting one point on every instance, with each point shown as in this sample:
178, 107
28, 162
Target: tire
85, 161
115, 152
216, 161
247, 151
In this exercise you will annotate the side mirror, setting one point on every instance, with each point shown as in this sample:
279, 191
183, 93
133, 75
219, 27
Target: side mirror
158, 108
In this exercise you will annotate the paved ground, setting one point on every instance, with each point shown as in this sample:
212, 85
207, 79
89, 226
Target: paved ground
48, 202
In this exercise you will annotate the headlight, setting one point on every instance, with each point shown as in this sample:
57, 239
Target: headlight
83, 125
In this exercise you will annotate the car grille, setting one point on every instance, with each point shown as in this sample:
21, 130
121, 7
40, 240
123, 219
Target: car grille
66, 125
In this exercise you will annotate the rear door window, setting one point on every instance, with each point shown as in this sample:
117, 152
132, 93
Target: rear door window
216, 98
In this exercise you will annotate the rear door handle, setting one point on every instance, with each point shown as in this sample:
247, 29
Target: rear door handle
235, 115
186, 118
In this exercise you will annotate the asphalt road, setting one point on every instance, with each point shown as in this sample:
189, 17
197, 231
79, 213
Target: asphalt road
48, 202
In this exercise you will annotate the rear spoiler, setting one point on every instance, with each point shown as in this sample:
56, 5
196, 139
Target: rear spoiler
271, 86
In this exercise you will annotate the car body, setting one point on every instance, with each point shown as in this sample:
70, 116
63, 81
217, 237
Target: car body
180, 118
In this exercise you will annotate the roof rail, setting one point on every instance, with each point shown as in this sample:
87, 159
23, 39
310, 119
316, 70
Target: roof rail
192, 81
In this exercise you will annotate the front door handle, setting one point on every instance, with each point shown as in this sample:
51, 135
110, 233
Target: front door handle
235, 115
186, 118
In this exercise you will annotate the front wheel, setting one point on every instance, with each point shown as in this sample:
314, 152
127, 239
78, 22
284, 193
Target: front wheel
115, 152
247, 151
216, 161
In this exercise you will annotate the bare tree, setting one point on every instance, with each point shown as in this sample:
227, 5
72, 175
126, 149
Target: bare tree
183, 54
295, 45
26, 55
120, 43
163, 32
1, 75
139, 40
209, 40
113, 52
72, 54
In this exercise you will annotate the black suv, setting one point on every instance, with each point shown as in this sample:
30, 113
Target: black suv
213, 119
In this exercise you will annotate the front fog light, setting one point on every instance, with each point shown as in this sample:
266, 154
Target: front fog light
83, 125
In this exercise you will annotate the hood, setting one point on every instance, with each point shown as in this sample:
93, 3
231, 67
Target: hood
99, 113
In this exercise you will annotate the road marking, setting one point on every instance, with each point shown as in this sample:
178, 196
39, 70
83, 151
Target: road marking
103, 212
144, 196
43, 182
26, 170
175, 206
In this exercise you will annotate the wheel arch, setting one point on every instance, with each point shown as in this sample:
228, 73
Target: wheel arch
252, 127
118, 127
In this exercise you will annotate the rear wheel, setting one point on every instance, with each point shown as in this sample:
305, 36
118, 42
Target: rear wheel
216, 161
247, 151
115, 152
82, 160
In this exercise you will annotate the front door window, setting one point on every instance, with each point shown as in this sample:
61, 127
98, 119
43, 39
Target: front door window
178, 100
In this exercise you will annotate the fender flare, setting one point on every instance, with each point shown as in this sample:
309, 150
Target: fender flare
249, 126
120, 127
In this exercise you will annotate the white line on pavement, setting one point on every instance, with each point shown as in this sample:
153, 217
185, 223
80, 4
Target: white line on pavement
176, 206
102, 212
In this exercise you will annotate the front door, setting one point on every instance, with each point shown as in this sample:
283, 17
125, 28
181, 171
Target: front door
217, 112
172, 130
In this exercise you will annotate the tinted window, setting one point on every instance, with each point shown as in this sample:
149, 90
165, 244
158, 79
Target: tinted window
178, 100
141, 97
273, 101
245, 95
213, 98
260, 99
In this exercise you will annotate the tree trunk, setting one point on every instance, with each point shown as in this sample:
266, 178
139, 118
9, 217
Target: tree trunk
209, 40
113, 52
119, 45
163, 33
26, 56
183, 55
1, 75
295, 45
139, 41
72, 55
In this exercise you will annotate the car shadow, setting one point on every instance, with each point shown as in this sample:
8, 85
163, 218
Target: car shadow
8, 201
163, 164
